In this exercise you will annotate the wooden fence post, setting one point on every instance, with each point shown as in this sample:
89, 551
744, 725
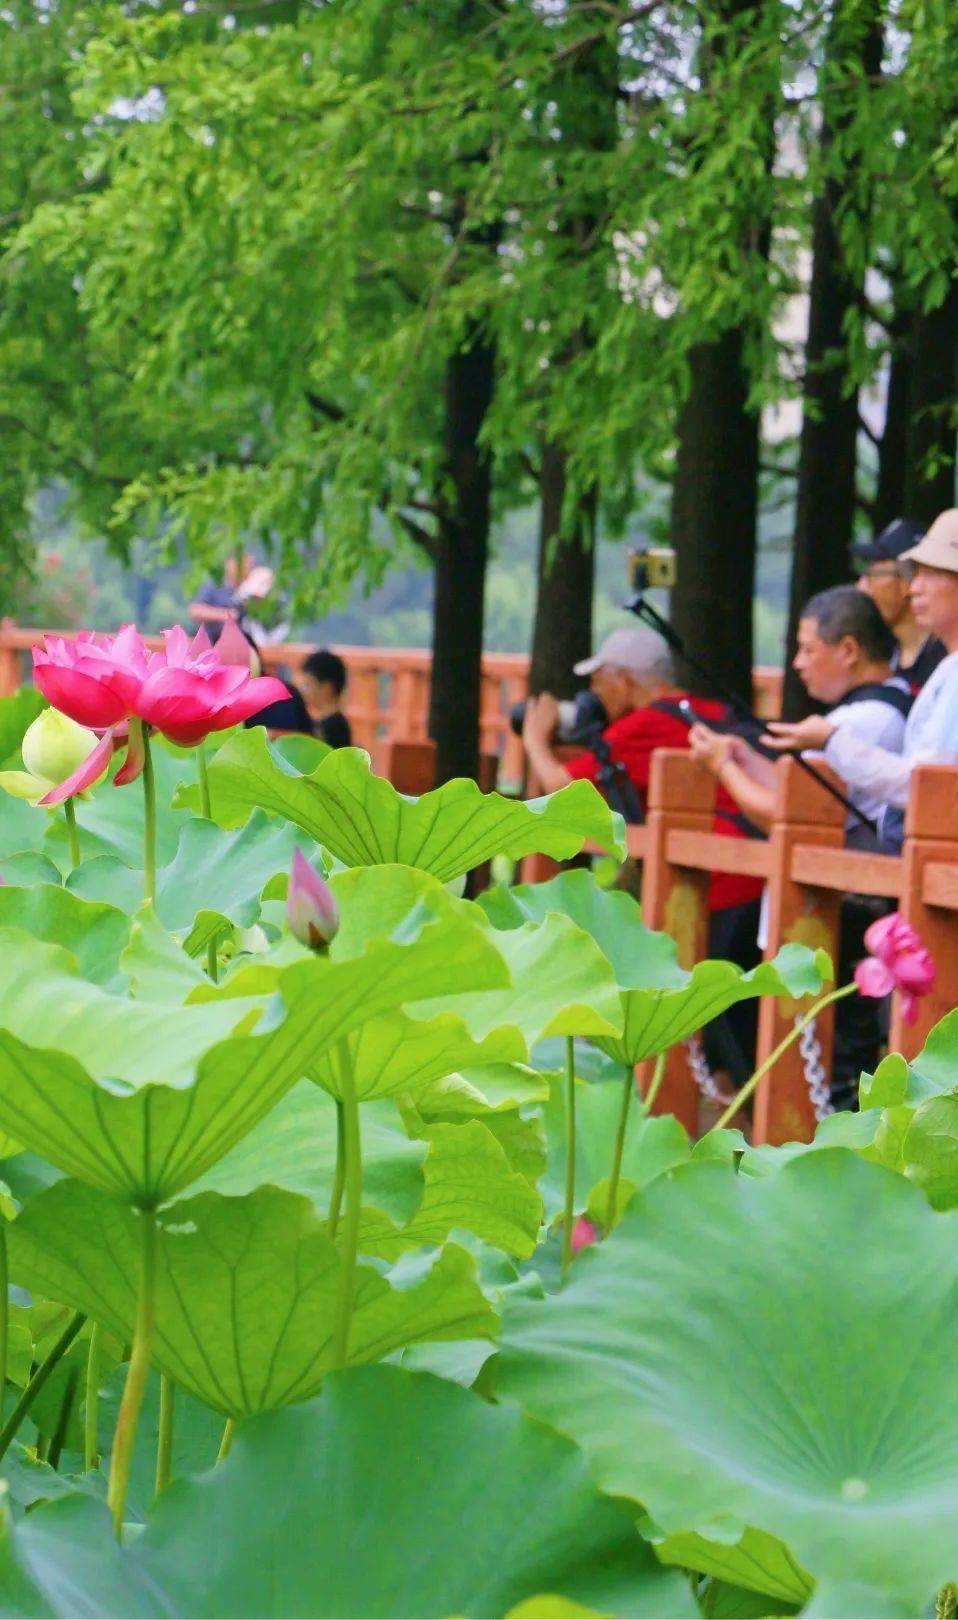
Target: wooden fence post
929, 895
804, 814
681, 795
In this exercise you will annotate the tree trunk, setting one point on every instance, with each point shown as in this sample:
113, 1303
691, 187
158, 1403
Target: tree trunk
714, 517
893, 450
565, 575
462, 550
930, 464
825, 503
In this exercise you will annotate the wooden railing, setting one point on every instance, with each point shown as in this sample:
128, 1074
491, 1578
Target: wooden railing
387, 697
807, 870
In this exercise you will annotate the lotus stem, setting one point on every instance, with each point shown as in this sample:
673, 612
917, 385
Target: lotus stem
339, 1178
149, 821
226, 1441
794, 1034
91, 1420
164, 1440
353, 1180
569, 1209
38, 1380
658, 1075
70, 816
135, 1387
612, 1200
204, 776
4, 1311
63, 1420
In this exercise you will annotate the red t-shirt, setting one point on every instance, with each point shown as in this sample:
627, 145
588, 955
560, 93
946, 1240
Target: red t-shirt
632, 741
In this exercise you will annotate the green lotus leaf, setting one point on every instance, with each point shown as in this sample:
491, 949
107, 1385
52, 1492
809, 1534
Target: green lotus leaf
156, 966
326, 1507
364, 822
295, 1147
247, 1289
726, 1360
661, 1002
16, 714
110, 820
561, 985
227, 872
488, 1088
27, 868
469, 1185
653, 1145
928, 1150
168, 1097
756, 1562
94, 932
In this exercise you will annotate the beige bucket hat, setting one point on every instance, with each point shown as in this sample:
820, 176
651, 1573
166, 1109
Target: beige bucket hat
939, 548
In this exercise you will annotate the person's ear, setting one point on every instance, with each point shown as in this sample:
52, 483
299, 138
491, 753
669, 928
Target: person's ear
850, 651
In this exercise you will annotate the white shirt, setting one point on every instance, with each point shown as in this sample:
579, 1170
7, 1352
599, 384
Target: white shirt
882, 775
874, 726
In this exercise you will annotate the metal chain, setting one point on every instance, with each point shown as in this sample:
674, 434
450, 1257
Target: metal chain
702, 1074
816, 1075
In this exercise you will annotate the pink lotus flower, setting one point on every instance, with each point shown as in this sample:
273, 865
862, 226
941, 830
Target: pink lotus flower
232, 647
583, 1233
188, 692
93, 679
311, 910
898, 961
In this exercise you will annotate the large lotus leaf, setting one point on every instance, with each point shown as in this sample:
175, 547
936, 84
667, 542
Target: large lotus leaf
156, 966
363, 820
16, 714
223, 873
469, 1185
246, 1289
561, 985
23, 828
653, 1144
295, 1147
393, 1493
94, 932
757, 1562
661, 1002
933, 1071
111, 819
489, 1088
23, 870
768, 1351
148, 1141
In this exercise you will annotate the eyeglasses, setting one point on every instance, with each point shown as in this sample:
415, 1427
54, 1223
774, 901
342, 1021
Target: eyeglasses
882, 570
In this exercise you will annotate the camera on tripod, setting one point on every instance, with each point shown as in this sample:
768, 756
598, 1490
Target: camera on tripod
652, 568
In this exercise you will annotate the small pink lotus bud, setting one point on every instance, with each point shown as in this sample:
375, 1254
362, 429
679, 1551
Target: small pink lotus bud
311, 910
583, 1233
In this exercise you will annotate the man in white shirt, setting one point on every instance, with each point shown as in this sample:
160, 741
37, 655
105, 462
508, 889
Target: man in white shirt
931, 730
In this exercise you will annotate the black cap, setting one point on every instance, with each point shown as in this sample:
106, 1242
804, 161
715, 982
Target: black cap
898, 536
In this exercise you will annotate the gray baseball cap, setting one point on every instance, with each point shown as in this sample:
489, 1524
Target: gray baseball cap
639, 651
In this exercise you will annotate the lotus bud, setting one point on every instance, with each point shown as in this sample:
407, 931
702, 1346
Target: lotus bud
583, 1233
311, 910
54, 746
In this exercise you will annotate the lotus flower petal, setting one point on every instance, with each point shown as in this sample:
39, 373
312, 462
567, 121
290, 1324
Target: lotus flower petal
874, 978
85, 775
311, 910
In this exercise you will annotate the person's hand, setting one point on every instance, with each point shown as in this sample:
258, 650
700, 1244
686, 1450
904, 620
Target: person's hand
713, 749
812, 732
541, 719
257, 584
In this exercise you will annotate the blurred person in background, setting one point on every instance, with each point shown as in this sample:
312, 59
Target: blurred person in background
886, 576
321, 681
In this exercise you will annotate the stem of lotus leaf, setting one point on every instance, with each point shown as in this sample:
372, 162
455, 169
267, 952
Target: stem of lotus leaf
349, 1245
658, 1075
568, 1214
226, 1441
91, 1420
63, 1420
794, 1034
612, 1200
204, 776
149, 820
946, 1603
4, 1311
135, 1387
39, 1379
70, 816
339, 1178
164, 1440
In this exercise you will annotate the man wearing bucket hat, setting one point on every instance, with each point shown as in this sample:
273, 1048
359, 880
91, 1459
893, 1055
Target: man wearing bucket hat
931, 730
885, 575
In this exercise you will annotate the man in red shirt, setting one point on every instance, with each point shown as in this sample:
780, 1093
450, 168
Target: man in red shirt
632, 676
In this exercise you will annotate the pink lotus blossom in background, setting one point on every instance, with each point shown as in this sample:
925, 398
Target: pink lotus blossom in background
311, 910
583, 1233
232, 647
188, 692
898, 961
95, 679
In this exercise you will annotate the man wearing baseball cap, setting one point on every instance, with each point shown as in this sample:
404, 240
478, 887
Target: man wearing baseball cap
931, 730
886, 577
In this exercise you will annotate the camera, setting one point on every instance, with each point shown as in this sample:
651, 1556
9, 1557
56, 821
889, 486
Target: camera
652, 568
579, 718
